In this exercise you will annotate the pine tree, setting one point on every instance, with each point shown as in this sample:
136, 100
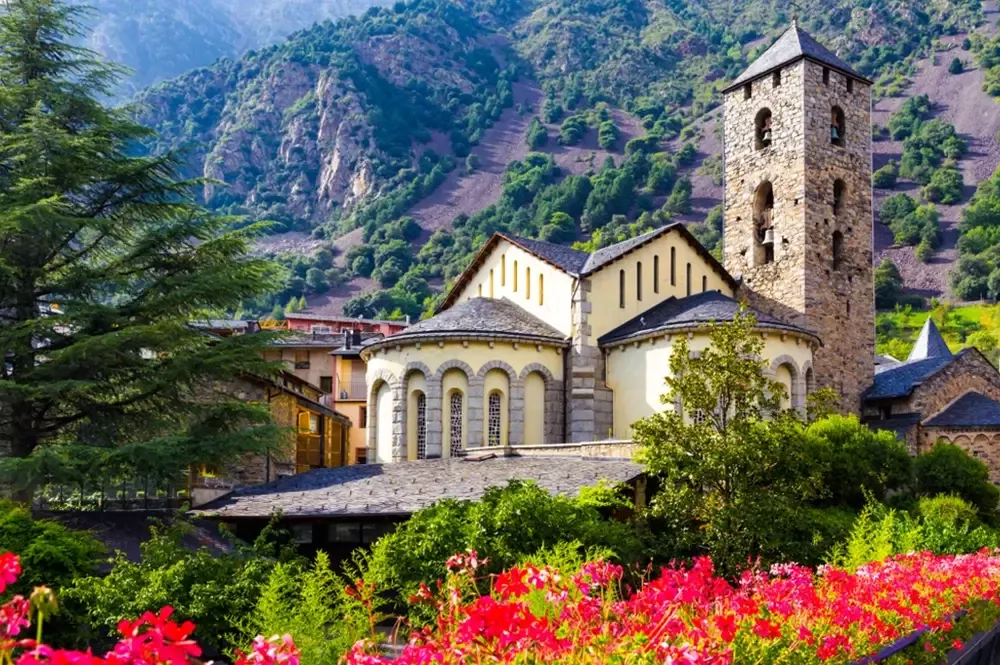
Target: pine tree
104, 259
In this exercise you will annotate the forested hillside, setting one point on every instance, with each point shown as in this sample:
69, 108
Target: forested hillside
158, 40
567, 120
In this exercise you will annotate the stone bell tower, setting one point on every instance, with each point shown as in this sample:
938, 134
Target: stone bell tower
798, 203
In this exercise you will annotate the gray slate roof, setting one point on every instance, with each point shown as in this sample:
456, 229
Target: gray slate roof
403, 488
794, 44
702, 308
481, 316
606, 255
969, 410
900, 380
929, 343
568, 259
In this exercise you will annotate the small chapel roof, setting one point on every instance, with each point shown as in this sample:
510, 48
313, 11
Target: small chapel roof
900, 380
400, 489
794, 44
970, 410
486, 317
929, 344
700, 309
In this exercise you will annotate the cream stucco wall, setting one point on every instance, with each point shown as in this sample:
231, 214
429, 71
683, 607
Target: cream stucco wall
637, 372
320, 362
550, 300
607, 312
534, 409
474, 353
416, 386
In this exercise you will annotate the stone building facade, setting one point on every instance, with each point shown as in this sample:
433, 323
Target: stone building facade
798, 206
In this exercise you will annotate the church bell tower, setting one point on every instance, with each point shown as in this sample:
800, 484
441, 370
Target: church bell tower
798, 203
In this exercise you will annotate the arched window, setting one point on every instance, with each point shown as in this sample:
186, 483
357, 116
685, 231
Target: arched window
839, 194
838, 249
527, 283
493, 429
421, 426
838, 127
541, 289
763, 222
673, 266
457, 421
515, 276
656, 274
621, 289
762, 129
638, 280
689, 279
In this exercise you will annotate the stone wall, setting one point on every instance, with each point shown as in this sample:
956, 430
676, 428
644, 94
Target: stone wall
802, 285
984, 445
591, 402
970, 371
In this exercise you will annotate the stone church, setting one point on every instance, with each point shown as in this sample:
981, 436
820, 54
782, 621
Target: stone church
538, 343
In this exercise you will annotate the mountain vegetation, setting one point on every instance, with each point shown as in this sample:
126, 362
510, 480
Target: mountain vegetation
348, 125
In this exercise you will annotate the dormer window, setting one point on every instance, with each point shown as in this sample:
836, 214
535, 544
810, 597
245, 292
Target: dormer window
838, 129
762, 129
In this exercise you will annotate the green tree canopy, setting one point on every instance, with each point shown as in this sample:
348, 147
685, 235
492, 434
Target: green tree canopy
104, 259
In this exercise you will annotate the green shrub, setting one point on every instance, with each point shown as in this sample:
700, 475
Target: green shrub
607, 134
471, 162
956, 66
885, 177
505, 526
945, 186
572, 130
215, 591
947, 508
309, 603
888, 285
537, 135
687, 154
679, 200
924, 251
947, 469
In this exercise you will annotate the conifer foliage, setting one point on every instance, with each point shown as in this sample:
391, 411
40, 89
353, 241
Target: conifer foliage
104, 259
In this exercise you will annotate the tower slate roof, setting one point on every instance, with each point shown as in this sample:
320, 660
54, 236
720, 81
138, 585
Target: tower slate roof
699, 309
900, 380
791, 46
929, 343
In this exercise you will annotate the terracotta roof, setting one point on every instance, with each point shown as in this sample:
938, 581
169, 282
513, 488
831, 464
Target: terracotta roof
929, 343
970, 410
402, 488
791, 46
699, 309
494, 317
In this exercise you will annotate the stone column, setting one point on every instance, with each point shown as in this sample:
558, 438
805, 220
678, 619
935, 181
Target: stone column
515, 414
435, 424
474, 412
399, 408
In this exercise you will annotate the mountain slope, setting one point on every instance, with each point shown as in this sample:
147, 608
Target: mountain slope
160, 40
356, 124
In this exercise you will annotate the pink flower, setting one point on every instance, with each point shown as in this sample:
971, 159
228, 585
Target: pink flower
10, 570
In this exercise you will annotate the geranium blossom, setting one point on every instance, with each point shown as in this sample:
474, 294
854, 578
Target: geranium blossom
688, 616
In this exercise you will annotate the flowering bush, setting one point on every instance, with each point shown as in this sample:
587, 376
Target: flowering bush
152, 639
689, 615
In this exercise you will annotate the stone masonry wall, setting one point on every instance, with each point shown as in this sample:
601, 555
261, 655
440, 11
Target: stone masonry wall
969, 372
802, 285
984, 444
591, 402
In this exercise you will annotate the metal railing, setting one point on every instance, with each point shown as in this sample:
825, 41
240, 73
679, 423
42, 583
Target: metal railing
353, 389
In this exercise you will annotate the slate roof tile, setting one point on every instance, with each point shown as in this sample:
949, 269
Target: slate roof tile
481, 316
900, 380
564, 257
970, 410
793, 44
707, 307
403, 488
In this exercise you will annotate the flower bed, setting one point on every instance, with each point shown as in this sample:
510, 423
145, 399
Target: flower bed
152, 639
921, 605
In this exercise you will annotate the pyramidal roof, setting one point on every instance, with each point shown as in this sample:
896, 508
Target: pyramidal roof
929, 344
793, 45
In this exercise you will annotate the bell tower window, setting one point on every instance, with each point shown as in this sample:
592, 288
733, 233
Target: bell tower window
762, 129
838, 128
763, 222
838, 249
747, 91
839, 192
776, 79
